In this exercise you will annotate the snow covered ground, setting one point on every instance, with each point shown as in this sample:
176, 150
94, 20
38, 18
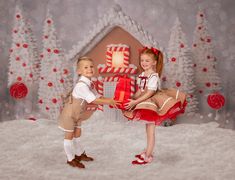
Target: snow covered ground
34, 150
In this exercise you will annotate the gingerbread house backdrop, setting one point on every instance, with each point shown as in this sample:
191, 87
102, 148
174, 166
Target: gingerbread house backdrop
113, 44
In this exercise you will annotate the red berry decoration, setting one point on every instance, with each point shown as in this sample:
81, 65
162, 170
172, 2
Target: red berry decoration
201, 15
18, 16
195, 65
182, 45
48, 21
54, 100
19, 78
47, 108
200, 91
31, 75
164, 78
194, 45
62, 81
48, 50
208, 40
208, 84
204, 69
65, 71
46, 37
40, 101
50, 84
178, 84
18, 90
25, 45
54, 70
56, 51
173, 59
216, 100
18, 44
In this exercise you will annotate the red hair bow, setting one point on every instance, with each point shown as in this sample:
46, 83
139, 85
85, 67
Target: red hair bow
154, 50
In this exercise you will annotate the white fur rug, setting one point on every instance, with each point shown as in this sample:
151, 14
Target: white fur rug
33, 150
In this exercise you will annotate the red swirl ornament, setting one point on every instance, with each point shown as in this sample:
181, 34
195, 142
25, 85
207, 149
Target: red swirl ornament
18, 90
216, 100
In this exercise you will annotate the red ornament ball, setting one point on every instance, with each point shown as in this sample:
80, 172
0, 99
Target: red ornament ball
50, 84
182, 45
18, 90
216, 100
65, 71
208, 84
54, 100
173, 59
25, 45
49, 21
56, 51
178, 84
19, 78
18, 16
62, 81
40, 101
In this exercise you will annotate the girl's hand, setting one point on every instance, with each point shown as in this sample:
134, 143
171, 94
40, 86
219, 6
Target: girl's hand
130, 105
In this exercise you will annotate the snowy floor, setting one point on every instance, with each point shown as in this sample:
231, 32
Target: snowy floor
34, 150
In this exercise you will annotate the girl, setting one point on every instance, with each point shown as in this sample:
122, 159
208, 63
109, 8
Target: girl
150, 103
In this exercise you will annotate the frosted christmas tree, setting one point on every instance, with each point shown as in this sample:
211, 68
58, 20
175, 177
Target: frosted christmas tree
179, 72
207, 78
24, 63
56, 74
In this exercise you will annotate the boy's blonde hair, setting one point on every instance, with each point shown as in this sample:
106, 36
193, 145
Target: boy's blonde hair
84, 58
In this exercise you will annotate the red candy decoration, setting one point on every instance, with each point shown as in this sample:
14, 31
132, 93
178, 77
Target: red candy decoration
216, 100
18, 90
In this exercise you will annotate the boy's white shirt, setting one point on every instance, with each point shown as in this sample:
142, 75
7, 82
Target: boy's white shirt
82, 91
153, 82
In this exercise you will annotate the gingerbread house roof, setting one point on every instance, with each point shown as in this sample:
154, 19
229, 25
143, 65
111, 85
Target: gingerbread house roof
113, 18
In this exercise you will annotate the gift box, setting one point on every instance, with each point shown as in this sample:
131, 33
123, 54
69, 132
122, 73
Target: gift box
123, 91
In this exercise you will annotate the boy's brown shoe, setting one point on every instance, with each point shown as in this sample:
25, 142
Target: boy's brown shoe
83, 157
75, 163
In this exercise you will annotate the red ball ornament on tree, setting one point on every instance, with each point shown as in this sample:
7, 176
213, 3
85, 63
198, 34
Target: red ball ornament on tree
65, 71
56, 51
62, 81
50, 84
216, 100
18, 16
173, 59
48, 21
54, 100
25, 45
182, 45
178, 84
18, 90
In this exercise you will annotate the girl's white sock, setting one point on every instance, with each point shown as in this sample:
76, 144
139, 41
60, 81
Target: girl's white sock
78, 147
68, 148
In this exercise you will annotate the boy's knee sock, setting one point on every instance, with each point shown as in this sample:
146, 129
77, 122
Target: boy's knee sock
68, 148
78, 147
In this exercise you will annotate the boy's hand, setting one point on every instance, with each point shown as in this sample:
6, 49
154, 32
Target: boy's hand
114, 103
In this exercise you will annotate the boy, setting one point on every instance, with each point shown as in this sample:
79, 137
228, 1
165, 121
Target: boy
74, 112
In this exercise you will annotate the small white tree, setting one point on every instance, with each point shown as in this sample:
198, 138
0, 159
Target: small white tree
207, 78
24, 63
55, 77
179, 71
